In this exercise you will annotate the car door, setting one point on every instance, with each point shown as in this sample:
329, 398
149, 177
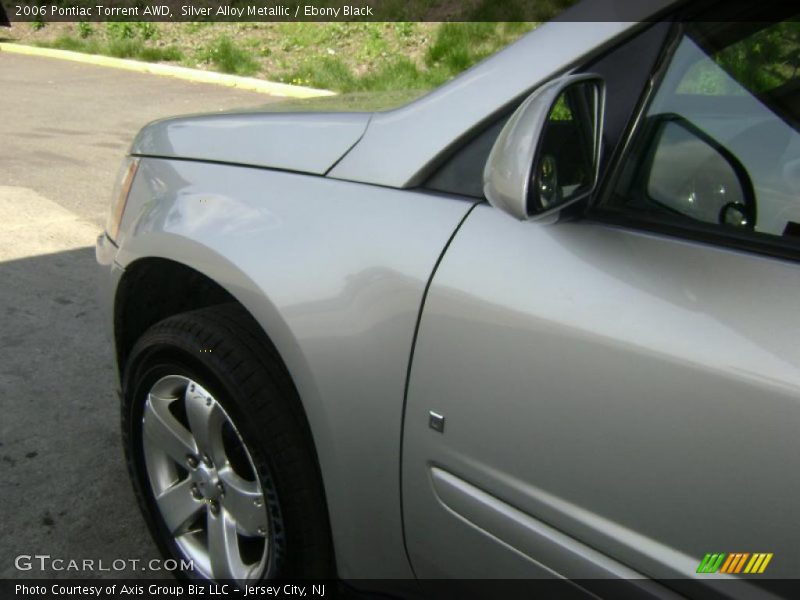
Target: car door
619, 396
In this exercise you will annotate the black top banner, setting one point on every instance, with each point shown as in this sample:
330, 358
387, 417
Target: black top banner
283, 10
379, 10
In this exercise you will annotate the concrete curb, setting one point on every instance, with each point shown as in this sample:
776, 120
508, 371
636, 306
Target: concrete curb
196, 75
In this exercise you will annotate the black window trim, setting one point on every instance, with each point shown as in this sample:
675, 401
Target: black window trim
600, 210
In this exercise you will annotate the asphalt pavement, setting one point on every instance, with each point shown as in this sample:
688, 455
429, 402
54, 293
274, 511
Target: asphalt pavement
64, 129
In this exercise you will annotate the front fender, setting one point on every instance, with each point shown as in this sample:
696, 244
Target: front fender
335, 273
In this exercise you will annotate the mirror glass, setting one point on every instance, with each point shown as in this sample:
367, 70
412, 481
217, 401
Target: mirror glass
688, 175
566, 160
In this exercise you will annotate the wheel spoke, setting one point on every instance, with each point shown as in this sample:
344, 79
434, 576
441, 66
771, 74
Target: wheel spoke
163, 430
205, 421
223, 548
206, 504
178, 507
244, 503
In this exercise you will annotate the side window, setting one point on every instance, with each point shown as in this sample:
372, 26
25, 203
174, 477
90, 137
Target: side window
719, 145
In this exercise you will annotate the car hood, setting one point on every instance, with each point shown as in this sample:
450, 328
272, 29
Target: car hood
302, 142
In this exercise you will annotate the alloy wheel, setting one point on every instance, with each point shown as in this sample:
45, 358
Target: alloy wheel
204, 481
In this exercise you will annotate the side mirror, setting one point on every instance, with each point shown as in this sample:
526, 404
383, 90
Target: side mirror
547, 155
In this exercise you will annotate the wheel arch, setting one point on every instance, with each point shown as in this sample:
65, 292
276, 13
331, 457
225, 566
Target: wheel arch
152, 289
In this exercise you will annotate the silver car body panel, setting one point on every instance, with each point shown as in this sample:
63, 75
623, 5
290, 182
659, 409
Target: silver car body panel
334, 272
567, 364
308, 143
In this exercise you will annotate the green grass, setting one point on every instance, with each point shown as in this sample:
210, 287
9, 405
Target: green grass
457, 46
121, 48
349, 57
228, 57
344, 57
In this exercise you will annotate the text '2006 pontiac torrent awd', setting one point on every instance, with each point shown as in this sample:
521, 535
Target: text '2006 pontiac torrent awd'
542, 322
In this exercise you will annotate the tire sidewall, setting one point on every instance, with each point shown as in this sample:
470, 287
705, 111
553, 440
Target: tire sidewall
152, 359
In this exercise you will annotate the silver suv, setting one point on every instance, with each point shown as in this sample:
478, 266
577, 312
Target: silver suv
542, 322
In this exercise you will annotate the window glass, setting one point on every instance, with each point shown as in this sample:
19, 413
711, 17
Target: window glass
719, 145
760, 62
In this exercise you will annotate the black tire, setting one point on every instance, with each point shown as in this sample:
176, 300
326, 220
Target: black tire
223, 349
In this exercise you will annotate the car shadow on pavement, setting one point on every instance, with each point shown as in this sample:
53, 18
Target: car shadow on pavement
64, 479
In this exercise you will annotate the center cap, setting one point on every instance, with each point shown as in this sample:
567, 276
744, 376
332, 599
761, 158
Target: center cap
207, 481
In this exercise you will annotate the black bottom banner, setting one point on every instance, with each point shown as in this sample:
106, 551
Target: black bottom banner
562, 589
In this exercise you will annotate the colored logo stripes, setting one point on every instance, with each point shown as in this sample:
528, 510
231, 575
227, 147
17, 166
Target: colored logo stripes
737, 562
